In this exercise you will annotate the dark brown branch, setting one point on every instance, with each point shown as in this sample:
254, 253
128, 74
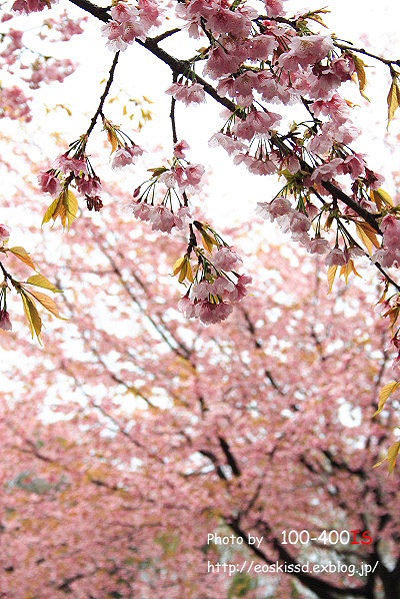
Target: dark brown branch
104, 95
229, 456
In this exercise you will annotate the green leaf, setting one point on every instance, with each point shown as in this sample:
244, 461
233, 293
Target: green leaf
41, 281
385, 393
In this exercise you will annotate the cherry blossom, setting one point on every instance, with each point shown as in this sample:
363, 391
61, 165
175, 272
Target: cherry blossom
5, 322
5, 232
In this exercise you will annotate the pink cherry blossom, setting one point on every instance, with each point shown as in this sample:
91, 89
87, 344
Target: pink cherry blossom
183, 217
125, 156
67, 165
88, 185
210, 313
123, 12
318, 246
327, 171
5, 322
188, 94
180, 149
5, 232
227, 142
262, 47
50, 183
274, 8
279, 207
224, 20
142, 211
226, 258
240, 290
14, 104
306, 50
28, 6
194, 174
336, 257
162, 219
257, 123
50, 70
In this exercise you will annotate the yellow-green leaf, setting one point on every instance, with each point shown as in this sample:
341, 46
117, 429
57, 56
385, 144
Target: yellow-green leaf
46, 301
385, 393
189, 273
178, 265
347, 269
380, 197
331, 276
23, 255
208, 241
361, 76
31, 313
113, 139
41, 281
367, 235
71, 207
393, 452
52, 210
393, 99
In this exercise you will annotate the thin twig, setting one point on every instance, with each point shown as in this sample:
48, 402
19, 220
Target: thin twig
99, 110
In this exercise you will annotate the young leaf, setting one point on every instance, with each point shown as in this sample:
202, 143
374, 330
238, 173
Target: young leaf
23, 255
31, 313
381, 197
393, 99
367, 236
71, 207
113, 139
178, 265
361, 76
53, 210
331, 276
393, 452
347, 269
46, 302
208, 241
41, 281
385, 393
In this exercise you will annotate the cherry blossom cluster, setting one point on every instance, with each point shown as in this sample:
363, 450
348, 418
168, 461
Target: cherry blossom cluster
215, 286
175, 182
48, 70
14, 104
389, 254
124, 150
29, 6
187, 92
65, 26
129, 23
73, 167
